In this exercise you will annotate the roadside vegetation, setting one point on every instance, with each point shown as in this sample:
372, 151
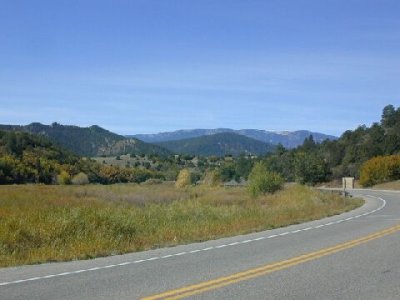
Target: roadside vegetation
43, 223
140, 200
379, 170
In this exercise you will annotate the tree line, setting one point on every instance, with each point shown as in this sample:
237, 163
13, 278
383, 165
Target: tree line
28, 158
312, 163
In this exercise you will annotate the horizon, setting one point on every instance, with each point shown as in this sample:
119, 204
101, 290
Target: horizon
182, 129
142, 67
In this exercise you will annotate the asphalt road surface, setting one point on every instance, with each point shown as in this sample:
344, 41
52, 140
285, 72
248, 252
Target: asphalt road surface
355, 255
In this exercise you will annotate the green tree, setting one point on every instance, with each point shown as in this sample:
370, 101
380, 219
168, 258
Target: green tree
243, 166
310, 168
227, 172
262, 181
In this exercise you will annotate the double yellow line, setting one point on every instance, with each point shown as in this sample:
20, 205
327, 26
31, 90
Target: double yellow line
266, 269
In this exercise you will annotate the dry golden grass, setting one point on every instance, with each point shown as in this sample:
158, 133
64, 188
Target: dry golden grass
55, 223
393, 185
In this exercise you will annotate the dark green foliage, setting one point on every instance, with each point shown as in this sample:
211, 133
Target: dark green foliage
243, 166
312, 163
219, 144
282, 162
29, 158
90, 141
227, 172
262, 181
310, 168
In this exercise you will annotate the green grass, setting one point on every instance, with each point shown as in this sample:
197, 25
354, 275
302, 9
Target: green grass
55, 223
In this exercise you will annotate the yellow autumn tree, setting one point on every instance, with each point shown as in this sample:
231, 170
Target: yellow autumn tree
184, 179
380, 169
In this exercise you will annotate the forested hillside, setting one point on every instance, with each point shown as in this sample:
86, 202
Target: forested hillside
289, 139
219, 144
29, 158
312, 162
89, 141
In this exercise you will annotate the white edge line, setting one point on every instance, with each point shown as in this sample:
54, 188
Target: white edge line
194, 251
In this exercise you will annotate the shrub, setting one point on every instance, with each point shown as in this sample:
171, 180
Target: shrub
184, 179
310, 168
380, 169
262, 181
80, 179
64, 178
212, 178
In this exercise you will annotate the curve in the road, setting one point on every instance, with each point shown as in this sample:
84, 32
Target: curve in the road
192, 252
269, 268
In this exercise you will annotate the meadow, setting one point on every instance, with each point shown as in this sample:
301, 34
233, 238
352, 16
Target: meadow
43, 223
392, 185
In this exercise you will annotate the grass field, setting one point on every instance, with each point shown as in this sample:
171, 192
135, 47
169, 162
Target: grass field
54, 223
393, 185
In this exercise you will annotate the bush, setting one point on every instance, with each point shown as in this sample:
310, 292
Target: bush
212, 178
80, 179
310, 168
380, 169
64, 178
184, 179
262, 181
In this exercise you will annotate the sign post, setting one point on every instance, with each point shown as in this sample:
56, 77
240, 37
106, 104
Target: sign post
347, 183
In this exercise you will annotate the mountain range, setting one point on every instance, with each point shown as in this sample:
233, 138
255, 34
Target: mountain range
219, 144
289, 139
96, 141
89, 141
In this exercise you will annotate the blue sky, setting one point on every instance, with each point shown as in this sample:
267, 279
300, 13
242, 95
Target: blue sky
150, 66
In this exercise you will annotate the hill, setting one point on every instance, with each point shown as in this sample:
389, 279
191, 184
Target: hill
218, 144
312, 162
287, 138
25, 157
89, 141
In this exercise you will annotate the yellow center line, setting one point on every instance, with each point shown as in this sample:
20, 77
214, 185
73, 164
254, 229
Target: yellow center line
266, 269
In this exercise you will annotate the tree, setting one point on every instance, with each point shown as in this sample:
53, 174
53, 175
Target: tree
227, 172
310, 168
184, 179
63, 178
309, 144
380, 169
282, 163
243, 167
388, 115
262, 181
212, 178
80, 179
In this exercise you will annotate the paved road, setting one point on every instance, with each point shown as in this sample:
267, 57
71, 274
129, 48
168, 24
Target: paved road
351, 256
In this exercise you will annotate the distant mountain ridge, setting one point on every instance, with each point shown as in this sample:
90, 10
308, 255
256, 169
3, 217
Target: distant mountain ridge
219, 144
289, 139
89, 141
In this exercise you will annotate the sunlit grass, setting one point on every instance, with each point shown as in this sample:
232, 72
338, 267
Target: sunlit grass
54, 223
393, 185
